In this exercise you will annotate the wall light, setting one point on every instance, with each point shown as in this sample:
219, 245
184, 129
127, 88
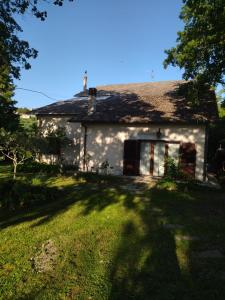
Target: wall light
159, 134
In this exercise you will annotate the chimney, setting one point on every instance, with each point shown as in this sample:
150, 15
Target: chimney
85, 83
92, 100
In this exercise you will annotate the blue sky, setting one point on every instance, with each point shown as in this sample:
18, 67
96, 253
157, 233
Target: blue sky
117, 41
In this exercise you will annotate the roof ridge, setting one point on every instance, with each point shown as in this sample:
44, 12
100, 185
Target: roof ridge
145, 82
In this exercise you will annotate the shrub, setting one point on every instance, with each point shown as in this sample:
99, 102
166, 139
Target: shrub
173, 172
36, 167
16, 195
172, 169
68, 168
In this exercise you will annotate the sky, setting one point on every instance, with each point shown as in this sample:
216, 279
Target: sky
116, 41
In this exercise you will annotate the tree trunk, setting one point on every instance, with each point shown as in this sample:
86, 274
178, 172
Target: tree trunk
14, 170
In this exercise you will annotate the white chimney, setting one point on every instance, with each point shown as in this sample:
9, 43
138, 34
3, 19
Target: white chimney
92, 100
85, 83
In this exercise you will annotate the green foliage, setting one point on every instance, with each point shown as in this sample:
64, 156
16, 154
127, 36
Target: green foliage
167, 183
22, 110
222, 112
29, 125
174, 172
15, 52
216, 136
15, 143
217, 129
16, 195
70, 168
56, 140
36, 167
201, 45
172, 169
9, 120
16, 146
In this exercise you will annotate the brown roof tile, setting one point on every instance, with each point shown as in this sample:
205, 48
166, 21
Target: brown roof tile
165, 101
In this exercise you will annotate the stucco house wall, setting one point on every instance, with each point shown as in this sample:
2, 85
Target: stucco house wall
107, 142
71, 153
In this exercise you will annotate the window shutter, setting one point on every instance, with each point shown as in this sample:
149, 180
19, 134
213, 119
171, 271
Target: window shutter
188, 158
131, 158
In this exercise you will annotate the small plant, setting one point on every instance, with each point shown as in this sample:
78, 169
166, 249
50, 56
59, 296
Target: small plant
172, 169
87, 161
105, 166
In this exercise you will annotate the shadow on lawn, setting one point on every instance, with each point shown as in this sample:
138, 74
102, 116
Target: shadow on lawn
147, 263
21, 201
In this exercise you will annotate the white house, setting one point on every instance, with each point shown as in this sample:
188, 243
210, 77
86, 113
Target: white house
135, 127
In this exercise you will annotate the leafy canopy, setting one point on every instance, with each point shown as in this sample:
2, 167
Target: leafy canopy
16, 146
15, 52
200, 48
8, 117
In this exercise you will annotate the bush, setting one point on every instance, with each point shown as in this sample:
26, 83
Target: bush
16, 195
172, 169
173, 172
36, 167
68, 168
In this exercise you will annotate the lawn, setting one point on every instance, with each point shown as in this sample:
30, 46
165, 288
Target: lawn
110, 238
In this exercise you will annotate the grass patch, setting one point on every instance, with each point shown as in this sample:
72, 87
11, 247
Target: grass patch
110, 241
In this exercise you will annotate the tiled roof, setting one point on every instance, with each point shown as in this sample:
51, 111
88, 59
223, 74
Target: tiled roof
165, 101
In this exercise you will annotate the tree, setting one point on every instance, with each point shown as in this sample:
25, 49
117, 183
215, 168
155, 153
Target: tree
200, 48
53, 142
16, 146
23, 110
15, 52
9, 120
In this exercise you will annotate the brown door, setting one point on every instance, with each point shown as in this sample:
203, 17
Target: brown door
188, 158
131, 158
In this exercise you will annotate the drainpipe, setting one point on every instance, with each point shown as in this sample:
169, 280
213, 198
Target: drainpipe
85, 147
206, 151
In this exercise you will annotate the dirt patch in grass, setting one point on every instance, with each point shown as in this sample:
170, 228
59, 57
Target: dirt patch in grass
45, 260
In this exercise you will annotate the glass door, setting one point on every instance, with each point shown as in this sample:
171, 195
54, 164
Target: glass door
145, 158
159, 159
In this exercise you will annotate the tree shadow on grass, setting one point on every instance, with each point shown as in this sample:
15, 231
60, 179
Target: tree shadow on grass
152, 260
21, 201
160, 262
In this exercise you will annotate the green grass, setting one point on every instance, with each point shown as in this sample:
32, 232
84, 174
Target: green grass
111, 241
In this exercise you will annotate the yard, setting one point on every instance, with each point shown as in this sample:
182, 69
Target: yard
110, 238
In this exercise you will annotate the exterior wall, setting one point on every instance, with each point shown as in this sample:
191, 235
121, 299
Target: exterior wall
106, 142
71, 154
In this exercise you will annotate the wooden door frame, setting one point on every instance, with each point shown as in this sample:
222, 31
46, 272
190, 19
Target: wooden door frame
152, 143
